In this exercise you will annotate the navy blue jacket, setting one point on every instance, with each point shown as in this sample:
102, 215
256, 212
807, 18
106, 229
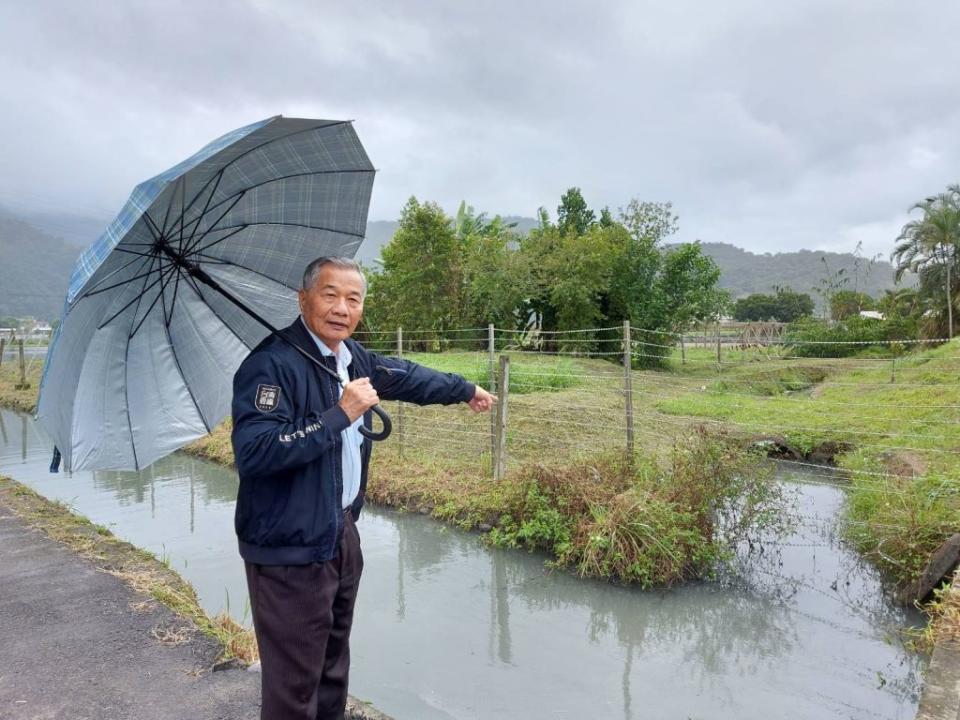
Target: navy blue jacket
286, 441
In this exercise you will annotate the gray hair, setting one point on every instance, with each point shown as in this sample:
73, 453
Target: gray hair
312, 271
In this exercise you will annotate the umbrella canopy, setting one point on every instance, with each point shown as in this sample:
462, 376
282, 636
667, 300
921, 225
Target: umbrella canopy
143, 360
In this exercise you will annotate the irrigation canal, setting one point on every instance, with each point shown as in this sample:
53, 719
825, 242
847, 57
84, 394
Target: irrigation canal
448, 628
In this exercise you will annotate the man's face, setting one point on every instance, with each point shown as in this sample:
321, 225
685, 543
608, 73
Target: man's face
334, 305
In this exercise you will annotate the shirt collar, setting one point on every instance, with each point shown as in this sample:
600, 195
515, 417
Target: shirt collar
344, 357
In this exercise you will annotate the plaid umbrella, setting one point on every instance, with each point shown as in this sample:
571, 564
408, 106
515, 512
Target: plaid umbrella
191, 274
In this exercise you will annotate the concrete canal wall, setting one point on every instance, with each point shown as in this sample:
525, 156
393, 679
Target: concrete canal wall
940, 699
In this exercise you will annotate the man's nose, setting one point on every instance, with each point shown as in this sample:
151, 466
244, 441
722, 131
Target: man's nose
340, 306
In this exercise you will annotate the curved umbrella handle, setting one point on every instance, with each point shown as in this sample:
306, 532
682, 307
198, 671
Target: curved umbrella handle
387, 425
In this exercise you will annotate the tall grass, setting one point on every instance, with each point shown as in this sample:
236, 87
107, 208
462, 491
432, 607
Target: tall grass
636, 522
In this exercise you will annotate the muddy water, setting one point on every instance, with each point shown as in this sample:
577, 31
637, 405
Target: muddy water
447, 628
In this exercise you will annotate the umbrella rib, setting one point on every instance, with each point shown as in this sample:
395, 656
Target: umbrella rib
133, 252
125, 307
176, 358
173, 300
154, 303
126, 379
218, 240
221, 261
193, 284
116, 285
110, 275
152, 226
214, 226
278, 179
203, 212
166, 215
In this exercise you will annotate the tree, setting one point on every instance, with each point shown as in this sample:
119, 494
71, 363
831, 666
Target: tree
420, 286
688, 283
573, 215
651, 222
928, 246
849, 303
785, 305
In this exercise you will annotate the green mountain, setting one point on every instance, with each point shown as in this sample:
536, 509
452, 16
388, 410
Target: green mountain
743, 272
35, 269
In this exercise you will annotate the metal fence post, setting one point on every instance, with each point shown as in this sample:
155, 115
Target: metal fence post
23, 384
400, 403
628, 384
492, 367
500, 436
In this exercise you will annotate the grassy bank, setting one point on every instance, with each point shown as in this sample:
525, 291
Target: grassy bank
894, 423
24, 399
139, 569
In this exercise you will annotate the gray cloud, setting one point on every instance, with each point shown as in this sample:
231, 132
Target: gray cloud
770, 125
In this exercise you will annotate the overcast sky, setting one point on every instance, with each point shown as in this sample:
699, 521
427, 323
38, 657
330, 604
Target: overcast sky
770, 125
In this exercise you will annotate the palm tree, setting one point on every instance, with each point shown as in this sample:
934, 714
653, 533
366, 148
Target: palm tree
928, 245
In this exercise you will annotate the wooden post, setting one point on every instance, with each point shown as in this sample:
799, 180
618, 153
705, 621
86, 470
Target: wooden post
628, 385
683, 351
893, 370
500, 436
3, 346
492, 367
719, 359
23, 384
400, 404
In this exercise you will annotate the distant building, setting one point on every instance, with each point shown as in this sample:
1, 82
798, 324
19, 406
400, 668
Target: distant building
41, 331
871, 314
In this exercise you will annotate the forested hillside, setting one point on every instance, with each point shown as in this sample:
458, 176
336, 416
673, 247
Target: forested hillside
743, 272
34, 270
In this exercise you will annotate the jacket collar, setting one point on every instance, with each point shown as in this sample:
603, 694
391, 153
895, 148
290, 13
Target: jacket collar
297, 333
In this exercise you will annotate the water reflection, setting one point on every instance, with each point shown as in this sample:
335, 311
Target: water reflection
449, 629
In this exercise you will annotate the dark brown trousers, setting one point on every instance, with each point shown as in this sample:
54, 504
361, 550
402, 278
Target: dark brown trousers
302, 616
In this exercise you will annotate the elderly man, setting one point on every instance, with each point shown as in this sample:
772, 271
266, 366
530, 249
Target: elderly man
303, 470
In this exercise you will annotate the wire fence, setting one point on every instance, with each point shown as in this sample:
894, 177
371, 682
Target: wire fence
578, 393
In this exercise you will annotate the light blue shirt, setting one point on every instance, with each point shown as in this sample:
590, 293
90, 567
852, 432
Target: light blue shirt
351, 437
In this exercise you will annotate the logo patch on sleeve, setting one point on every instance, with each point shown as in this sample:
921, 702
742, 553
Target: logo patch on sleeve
268, 397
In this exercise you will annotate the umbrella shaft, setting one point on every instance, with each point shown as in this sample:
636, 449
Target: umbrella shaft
197, 272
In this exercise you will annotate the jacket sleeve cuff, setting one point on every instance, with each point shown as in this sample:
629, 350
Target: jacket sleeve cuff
469, 392
335, 419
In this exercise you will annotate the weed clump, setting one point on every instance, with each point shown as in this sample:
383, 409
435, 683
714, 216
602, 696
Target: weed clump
638, 524
898, 523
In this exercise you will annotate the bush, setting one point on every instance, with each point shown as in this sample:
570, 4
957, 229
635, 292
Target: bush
638, 524
815, 338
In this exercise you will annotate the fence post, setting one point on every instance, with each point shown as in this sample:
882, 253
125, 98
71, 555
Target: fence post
683, 351
893, 370
3, 346
23, 384
400, 403
492, 366
719, 359
628, 385
500, 436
